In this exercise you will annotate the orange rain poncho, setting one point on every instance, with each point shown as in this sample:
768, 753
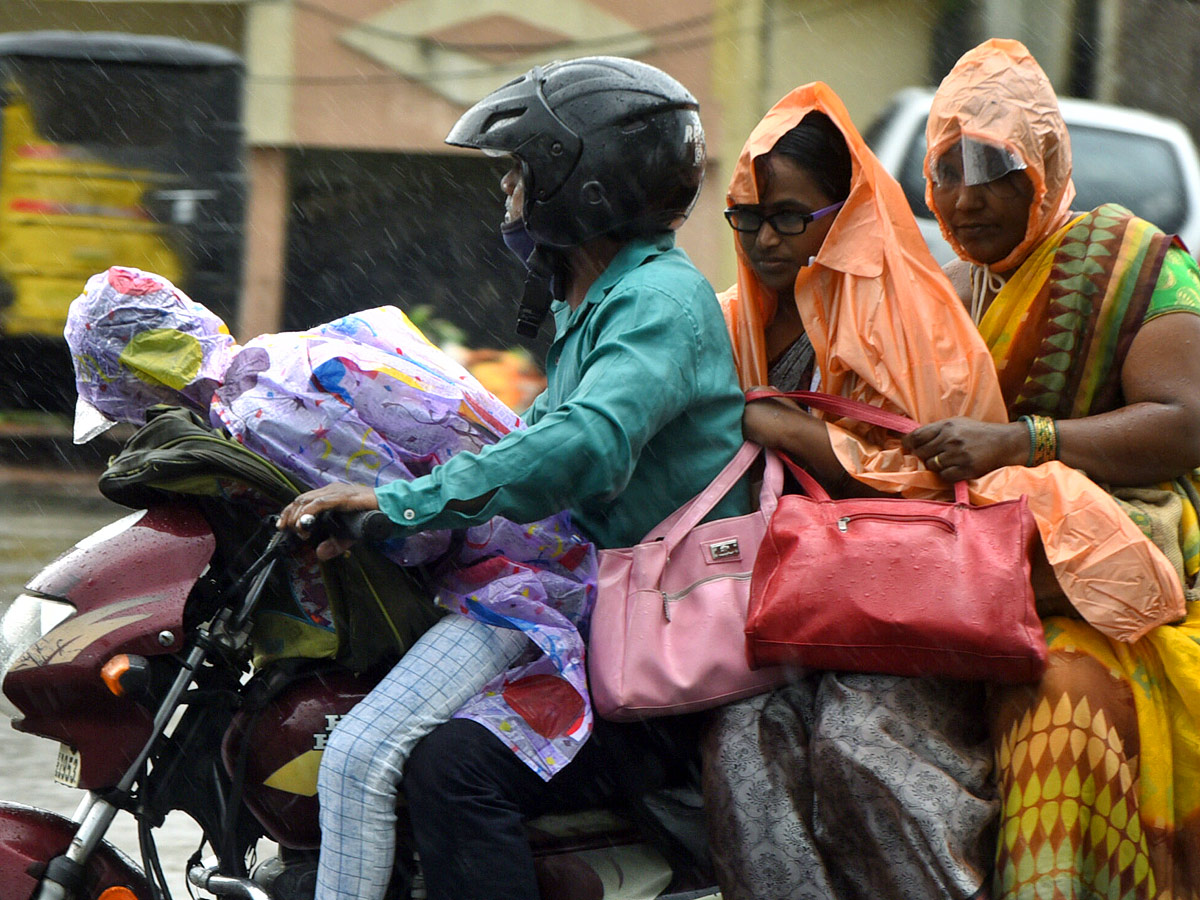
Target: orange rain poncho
887, 329
999, 95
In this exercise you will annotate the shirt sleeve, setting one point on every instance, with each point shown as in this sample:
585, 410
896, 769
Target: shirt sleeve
1178, 286
637, 372
537, 408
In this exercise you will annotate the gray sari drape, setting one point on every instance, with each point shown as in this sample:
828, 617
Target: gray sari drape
843, 786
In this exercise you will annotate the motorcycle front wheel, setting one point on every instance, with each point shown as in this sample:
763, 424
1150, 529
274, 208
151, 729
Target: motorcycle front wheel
31, 837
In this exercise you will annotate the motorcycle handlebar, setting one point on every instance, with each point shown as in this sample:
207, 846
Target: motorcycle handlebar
371, 525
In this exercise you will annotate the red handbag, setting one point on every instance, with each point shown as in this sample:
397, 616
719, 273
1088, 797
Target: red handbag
893, 585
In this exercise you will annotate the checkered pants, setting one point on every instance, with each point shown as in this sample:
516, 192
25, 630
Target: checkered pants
364, 758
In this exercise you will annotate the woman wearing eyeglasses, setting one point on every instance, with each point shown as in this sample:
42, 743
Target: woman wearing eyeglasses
845, 785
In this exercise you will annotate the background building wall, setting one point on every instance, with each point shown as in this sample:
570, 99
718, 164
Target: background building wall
394, 77
865, 50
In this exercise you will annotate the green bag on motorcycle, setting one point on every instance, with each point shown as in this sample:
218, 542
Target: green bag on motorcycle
377, 609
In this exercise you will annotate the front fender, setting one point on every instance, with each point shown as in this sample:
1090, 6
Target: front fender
31, 837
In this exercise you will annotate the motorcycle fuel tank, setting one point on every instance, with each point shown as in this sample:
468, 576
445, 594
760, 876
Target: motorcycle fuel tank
282, 731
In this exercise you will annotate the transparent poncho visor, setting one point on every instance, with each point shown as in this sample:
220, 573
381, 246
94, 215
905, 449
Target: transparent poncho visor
89, 422
971, 162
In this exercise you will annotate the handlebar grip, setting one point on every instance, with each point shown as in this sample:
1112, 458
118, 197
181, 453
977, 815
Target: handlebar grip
370, 525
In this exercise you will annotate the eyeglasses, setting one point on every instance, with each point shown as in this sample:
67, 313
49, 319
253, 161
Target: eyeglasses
786, 222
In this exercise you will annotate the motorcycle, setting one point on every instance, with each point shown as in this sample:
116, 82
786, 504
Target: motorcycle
134, 650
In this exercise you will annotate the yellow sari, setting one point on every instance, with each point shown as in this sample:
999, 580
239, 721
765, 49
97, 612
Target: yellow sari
1099, 763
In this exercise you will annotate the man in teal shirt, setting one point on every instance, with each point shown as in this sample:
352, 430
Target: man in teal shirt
641, 412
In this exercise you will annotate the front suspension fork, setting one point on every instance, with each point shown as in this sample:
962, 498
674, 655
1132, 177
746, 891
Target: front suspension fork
64, 874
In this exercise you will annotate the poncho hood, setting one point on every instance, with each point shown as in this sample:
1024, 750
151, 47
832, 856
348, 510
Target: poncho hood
136, 340
884, 322
998, 94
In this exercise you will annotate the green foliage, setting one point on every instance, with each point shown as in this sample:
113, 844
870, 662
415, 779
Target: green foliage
440, 331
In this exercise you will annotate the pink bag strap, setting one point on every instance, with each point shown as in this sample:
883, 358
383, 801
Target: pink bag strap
675, 527
849, 409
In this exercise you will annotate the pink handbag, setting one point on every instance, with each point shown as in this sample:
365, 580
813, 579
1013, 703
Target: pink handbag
893, 585
668, 630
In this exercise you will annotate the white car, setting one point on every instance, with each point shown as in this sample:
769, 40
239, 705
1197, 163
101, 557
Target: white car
1142, 161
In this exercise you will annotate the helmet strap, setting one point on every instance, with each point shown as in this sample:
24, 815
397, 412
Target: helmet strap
543, 283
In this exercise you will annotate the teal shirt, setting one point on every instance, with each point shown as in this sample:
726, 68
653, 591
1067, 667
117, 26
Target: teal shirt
642, 410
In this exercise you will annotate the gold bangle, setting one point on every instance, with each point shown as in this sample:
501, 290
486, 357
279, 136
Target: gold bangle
1045, 439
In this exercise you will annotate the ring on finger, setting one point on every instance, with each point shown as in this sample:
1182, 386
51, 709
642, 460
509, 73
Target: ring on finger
936, 461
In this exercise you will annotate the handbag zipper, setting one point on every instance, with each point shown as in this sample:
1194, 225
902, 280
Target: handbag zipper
843, 523
669, 598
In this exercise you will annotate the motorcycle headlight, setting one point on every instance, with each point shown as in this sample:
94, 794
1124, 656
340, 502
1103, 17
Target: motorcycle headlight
27, 620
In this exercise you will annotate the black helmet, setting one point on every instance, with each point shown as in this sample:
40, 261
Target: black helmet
607, 146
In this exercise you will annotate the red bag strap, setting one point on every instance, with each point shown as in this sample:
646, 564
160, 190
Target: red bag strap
845, 407
849, 409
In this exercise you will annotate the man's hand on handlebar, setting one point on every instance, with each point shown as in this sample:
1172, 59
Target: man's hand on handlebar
343, 498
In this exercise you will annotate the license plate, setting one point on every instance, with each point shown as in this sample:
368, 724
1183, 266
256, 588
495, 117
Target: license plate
66, 770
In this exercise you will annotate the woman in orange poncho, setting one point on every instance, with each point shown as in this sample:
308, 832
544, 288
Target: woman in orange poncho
1094, 321
845, 785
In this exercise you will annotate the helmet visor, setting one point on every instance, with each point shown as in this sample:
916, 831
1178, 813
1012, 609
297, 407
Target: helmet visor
971, 162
